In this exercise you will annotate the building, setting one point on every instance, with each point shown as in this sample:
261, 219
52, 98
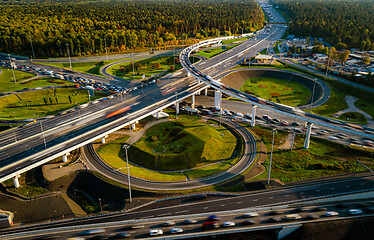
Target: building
264, 59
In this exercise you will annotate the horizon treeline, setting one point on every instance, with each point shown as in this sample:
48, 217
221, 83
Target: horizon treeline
87, 26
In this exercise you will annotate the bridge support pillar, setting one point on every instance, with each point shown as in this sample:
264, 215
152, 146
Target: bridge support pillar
65, 156
206, 91
103, 139
177, 107
253, 120
193, 101
133, 126
188, 74
16, 182
308, 132
217, 99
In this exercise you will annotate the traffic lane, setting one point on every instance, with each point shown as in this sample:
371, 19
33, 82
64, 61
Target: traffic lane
264, 218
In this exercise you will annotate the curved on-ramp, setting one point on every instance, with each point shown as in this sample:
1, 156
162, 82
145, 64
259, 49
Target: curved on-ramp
249, 155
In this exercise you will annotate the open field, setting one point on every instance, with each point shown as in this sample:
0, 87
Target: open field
323, 158
276, 90
353, 117
42, 103
7, 82
209, 53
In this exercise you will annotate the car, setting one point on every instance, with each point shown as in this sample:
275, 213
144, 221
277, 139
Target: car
249, 222
213, 218
275, 212
341, 205
176, 230
201, 197
285, 123
168, 223
276, 120
228, 224
312, 216
291, 217
251, 214
330, 214
319, 209
300, 209
274, 219
266, 117
156, 232
122, 235
354, 211
189, 221
210, 224
92, 231
369, 209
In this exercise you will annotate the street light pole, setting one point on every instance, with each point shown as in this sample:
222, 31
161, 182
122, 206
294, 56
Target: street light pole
274, 131
12, 66
67, 48
133, 67
14, 132
101, 207
32, 48
106, 50
293, 133
128, 171
174, 55
79, 112
311, 102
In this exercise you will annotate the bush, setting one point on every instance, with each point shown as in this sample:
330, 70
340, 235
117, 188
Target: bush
154, 138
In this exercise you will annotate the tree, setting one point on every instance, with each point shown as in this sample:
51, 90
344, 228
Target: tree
70, 99
50, 100
45, 101
341, 46
366, 60
343, 56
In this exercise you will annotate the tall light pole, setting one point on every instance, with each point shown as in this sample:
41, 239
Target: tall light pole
14, 132
12, 66
79, 112
32, 48
106, 50
133, 67
101, 207
328, 62
293, 133
128, 170
311, 102
174, 55
67, 48
274, 131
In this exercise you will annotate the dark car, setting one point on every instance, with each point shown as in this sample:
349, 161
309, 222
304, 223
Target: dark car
312, 217
249, 222
122, 235
319, 209
274, 219
275, 212
201, 196
189, 221
210, 224
213, 218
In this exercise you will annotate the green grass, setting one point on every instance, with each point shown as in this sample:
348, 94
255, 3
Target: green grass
28, 187
353, 117
31, 104
365, 106
230, 41
275, 47
182, 144
323, 158
276, 90
264, 51
209, 53
148, 67
211, 169
7, 82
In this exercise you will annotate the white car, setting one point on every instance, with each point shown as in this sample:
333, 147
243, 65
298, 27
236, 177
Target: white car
331, 214
250, 214
228, 224
355, 211
156, 232
176, 230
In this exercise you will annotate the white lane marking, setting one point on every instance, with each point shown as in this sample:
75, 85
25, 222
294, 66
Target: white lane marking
181, 211
271, 197
362, 184
238, 202
332, 188
347, 186
301, 193
318, 190
206, 208
223, 205
255, 200
164, 214
287, 195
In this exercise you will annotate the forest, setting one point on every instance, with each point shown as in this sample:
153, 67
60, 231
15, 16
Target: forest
347, 23
90, 27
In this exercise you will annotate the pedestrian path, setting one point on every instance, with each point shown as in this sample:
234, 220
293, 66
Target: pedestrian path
350, 100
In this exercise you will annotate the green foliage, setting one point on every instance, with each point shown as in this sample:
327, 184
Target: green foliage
346, 23
124, 24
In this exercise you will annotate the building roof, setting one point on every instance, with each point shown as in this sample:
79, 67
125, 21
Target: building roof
264, 57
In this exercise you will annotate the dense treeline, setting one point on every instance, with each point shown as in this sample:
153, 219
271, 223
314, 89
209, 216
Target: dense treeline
122, 25
350, 22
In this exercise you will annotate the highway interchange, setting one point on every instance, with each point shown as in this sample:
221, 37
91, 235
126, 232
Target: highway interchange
68, 130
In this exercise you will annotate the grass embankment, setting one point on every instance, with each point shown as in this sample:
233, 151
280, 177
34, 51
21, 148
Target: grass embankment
28, 186
354, 117
276, 90
209, 53
41, 103
234, 40
323, 158
339, 91
7, 82
147, 67
113, 153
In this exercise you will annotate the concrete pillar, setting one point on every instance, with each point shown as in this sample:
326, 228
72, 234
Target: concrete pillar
217, 99
308, 132
65, 156
188, 74
103, 140
193, 101
133, 126
16, 182
206, 91
253, 121
177, 108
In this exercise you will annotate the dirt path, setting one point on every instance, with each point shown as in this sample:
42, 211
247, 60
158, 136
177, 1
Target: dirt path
287, 143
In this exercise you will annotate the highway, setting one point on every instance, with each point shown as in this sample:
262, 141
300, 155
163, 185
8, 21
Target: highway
272, 198
249, 155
